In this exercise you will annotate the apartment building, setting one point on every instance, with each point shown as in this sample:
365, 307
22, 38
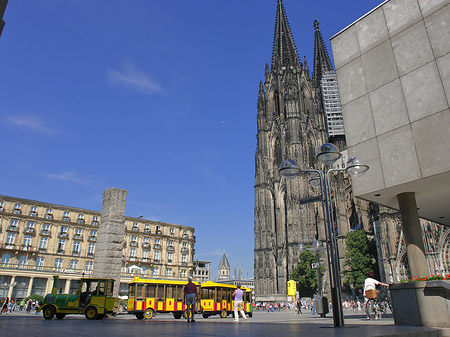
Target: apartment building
39, 240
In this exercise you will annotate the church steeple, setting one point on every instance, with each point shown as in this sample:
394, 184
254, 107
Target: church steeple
322, 62
284, 50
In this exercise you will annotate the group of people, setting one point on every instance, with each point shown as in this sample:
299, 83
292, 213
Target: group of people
10, 305
190, 291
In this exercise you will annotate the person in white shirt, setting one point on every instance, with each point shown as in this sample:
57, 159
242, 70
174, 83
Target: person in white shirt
371, 284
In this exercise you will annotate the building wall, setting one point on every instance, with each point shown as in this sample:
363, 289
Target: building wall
394, 80
61, 240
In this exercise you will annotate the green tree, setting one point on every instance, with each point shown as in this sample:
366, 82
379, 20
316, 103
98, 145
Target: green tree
360, 257
304, 275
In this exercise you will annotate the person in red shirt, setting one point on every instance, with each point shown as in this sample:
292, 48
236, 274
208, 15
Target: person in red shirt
190, 290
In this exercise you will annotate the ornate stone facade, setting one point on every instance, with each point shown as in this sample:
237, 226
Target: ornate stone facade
291, 124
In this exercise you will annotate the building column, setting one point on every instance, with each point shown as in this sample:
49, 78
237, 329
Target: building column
11, 286
30, 286
111, 232
67, 287
412, 232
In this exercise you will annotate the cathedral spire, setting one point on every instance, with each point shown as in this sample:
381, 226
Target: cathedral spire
322, 62
284, 50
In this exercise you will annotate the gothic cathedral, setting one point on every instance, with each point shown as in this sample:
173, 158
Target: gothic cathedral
293, 119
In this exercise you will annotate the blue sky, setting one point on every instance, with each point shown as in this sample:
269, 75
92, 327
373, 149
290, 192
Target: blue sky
155, 97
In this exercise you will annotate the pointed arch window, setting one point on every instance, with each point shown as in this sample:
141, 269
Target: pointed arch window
278, 153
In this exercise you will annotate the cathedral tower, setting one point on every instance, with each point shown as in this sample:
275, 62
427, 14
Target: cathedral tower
290, 124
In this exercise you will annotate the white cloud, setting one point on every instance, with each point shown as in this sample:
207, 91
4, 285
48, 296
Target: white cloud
70, 176
132, 77
31, 123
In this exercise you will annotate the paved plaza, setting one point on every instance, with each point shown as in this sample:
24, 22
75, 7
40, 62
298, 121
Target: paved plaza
284, 323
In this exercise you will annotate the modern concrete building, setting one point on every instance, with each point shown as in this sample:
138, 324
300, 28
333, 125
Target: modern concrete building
202, 271
39, 240
393, 69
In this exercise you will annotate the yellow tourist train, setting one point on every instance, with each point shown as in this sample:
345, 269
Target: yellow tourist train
146, 297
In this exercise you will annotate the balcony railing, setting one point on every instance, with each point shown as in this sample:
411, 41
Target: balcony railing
169, 247
30, 231
45, 232
157, 246
12, 229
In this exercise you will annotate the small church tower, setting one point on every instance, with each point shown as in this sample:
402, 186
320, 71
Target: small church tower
224, 268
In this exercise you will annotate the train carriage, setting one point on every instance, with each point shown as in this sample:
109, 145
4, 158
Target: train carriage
217, 299
147, 297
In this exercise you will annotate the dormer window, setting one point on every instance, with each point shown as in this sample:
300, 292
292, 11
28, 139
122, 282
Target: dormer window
135, 227
17, 208
33, 211
80, 219
49, 214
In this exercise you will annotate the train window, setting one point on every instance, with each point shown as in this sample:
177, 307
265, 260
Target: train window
180, 293
160, 292
207, 294
150, 291
131, 290
169, 291
110, 289
140, 292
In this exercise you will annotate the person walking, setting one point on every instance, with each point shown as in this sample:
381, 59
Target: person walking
5, 306
238, 295
190, 291
371, 284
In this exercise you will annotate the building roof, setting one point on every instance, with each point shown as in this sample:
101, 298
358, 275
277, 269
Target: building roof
224, 264
284, 50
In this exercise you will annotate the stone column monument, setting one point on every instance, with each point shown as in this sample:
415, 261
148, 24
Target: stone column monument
110, 237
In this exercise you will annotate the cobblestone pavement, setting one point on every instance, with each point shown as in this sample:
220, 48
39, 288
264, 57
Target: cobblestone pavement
284, 323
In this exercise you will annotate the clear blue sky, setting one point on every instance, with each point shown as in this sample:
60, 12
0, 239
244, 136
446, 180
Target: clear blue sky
155, 97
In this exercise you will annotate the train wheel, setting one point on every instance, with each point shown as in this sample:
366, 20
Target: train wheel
223, 313
139, 315
205, 315
91, 313
48, 312
60, 316
177, 316
149, 313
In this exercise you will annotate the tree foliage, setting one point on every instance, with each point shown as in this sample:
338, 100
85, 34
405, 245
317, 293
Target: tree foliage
360, 257
304, 275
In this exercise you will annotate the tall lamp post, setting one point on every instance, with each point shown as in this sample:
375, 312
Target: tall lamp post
328, 154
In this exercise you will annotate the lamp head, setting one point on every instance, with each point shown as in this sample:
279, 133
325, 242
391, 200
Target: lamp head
328, 153
355, 168
301, 247
289, 168
314, 180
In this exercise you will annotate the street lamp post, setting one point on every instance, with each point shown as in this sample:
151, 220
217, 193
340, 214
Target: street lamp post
328, 154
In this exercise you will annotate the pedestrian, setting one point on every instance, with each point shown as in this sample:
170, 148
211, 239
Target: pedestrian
371, 284
5, 306
37, 307
11, 305
238, 295
190, 291
21, 305
29, 303
298, 307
